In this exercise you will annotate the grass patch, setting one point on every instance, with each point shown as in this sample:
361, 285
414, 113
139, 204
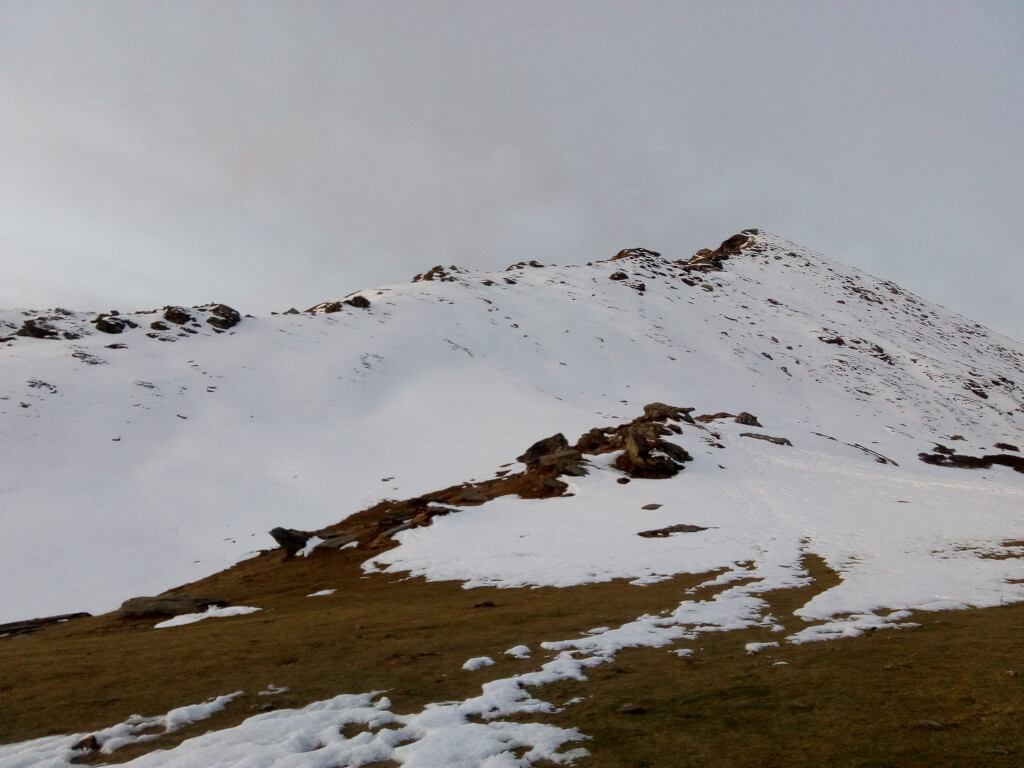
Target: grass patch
940, 694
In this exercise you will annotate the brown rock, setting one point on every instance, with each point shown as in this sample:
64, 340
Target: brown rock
165, 606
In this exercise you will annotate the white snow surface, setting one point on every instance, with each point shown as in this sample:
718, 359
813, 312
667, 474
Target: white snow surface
155, 464
210, 613
191, 448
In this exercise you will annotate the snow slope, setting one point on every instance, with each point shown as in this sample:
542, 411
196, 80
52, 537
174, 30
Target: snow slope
130, 470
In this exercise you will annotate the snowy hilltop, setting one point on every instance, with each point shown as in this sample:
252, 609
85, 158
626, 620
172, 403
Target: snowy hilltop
741, 410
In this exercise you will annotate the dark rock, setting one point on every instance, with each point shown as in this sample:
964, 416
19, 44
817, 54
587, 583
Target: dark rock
596, 440
224, 317
32, 625
631, 709
962, 461
674, 451
565, 462
651, 506
37, 328
159, 325
748, 420
662, 533
838, 340
707, 418
90, 743
662, 412
360, 302
626, 253
165, 606
176, 315
110, 324
641, 457
733, 245
290, 540
618, 276
548, 445
769, 438
1007, 447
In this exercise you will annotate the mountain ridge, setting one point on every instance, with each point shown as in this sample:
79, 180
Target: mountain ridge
758, 324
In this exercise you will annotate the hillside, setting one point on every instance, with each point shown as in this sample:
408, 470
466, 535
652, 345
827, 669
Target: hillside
147, 450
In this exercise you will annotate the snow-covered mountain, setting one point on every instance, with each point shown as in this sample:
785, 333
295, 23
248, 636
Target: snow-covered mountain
142, 450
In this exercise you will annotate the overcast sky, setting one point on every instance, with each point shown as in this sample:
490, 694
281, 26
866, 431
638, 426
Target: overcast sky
276, 154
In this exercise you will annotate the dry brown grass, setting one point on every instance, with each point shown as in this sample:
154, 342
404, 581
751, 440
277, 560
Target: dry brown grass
938, 695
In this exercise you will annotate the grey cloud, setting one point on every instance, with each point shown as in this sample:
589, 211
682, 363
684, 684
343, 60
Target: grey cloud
271, 154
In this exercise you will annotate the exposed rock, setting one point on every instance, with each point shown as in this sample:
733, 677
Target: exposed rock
647, 456
176, 315
165, 606
223, 317
707, 418
769, 438
1007, 447
32, 625
159, 325
618, 276
834, 339
748, 420
544, 447
90, 743
949, 458
733, 245
37, 328
661, 533
626, 253
662, 412
651, 506
565, 462
360, 302
110, 324
290, 540
596, 440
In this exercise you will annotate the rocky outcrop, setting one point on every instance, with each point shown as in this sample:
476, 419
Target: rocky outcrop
165, 606
223, 317
662, 533
948, 457
748, 420
647, 455
112, 324
177, 315
545, 447
706, 260
769, 438
37, 328
644, 454
34, 625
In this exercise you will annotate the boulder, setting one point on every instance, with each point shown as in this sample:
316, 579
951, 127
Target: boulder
110, 324
565, 462
662, 412
223, 317
290, 540
769, 438
360, 302
748, 420
647, 456
176, 315
37, 328
165, 606
548, 445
